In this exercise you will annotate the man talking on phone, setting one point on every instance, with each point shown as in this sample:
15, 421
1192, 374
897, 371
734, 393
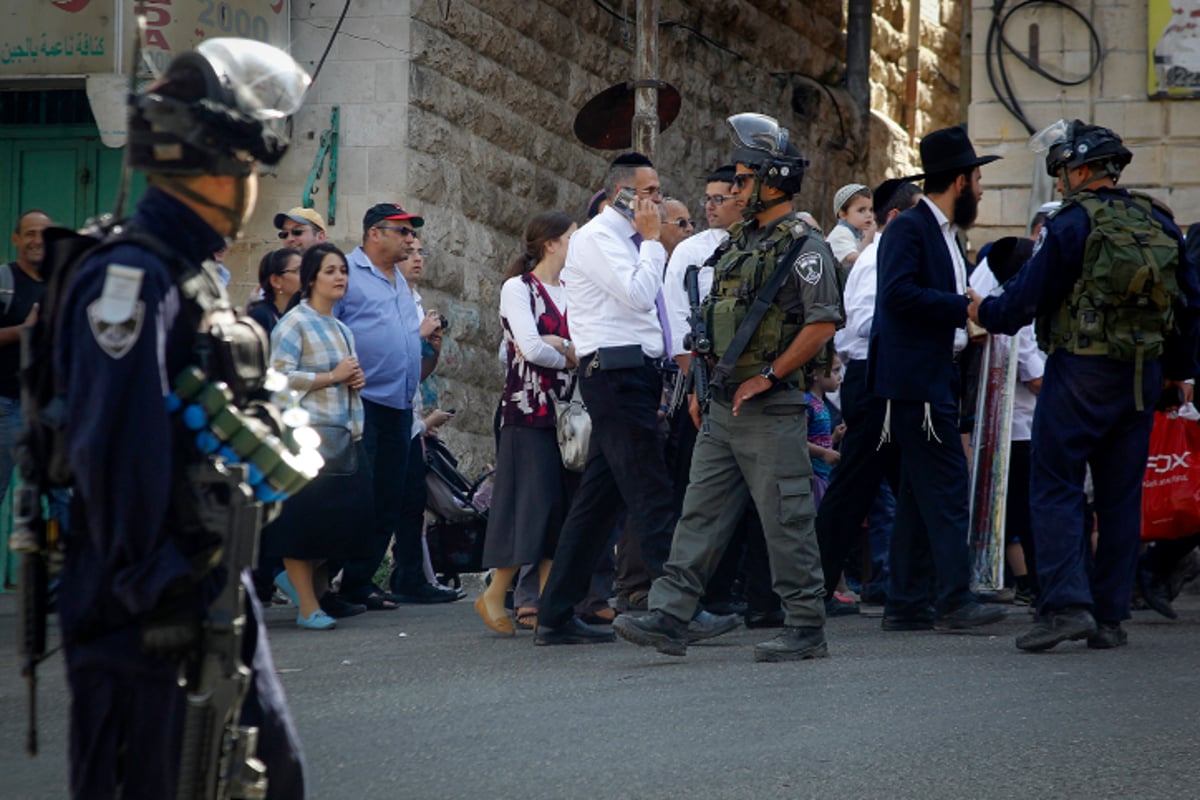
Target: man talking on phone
613, 276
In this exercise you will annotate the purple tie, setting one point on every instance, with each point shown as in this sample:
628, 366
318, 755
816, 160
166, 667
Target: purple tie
660, 305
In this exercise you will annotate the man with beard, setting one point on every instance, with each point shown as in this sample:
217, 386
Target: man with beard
912, 363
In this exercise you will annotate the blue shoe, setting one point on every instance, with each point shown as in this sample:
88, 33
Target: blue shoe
317, 621
284, 584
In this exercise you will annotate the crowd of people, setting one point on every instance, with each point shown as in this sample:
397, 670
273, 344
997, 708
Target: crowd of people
757, 392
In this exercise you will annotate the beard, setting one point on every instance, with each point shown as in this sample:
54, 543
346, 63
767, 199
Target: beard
966, 208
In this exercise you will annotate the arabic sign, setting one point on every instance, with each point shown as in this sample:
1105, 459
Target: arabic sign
58, 37
80, 37
1174, 27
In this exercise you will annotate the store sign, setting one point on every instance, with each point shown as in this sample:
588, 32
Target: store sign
58, 37
82, 37
1174, 27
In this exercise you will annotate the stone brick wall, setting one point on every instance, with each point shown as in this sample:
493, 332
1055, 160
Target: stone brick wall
463, 111
1163, 134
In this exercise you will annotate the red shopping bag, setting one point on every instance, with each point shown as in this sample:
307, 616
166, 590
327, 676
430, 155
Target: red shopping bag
1171, 488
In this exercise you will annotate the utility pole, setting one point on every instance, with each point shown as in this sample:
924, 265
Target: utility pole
645, 75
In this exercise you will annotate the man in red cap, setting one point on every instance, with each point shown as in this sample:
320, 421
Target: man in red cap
380, 310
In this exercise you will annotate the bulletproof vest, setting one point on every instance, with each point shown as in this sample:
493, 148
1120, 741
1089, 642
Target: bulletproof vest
738, 274
1121, 305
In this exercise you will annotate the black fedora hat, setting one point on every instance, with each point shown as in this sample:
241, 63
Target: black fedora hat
949, 150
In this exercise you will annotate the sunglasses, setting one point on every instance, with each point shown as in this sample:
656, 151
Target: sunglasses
683, 224
741, 180
715, 199
293, 232
403, 230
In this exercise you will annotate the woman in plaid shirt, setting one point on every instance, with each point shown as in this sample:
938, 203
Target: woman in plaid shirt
330, 518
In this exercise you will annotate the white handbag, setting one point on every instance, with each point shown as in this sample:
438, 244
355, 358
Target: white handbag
574, 430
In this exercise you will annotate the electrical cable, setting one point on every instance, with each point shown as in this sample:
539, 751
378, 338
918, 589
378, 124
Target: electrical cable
329, 44
997, 41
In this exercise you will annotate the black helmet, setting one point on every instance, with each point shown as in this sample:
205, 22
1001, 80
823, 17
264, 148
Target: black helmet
1070, 145
761, 144
217, 110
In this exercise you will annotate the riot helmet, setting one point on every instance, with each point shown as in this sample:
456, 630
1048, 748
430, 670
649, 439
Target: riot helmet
1068, 145
762, 145
217, 110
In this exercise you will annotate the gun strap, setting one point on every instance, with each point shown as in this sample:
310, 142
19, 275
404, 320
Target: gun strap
758, 309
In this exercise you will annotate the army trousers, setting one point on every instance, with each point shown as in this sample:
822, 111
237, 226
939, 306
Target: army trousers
761, 455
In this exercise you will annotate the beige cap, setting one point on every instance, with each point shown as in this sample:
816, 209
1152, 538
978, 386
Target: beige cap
305, 216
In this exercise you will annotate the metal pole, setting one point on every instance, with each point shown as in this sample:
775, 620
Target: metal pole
645, 101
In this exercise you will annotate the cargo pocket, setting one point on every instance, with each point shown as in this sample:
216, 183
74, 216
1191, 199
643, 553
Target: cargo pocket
795, 499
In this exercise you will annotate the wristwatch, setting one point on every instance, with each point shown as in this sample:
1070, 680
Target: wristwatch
566, 345
768, 372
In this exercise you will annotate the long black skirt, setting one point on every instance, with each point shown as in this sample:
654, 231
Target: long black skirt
530, 499
333, 517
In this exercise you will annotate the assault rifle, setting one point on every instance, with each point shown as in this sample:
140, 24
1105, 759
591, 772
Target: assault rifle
698, 342
218, 759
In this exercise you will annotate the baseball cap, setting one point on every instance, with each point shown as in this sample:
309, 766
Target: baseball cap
381, 211
304, 216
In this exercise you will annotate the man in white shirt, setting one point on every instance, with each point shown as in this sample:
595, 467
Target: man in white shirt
613, 275
864, 464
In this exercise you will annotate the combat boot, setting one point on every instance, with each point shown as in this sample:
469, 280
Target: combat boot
793, 644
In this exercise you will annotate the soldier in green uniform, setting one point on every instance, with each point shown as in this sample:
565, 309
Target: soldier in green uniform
757, 447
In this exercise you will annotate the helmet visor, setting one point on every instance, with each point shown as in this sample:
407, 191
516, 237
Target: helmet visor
1043, 140
267, 82
758, 132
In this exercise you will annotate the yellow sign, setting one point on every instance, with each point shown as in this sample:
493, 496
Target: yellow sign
1174, 51
81, 37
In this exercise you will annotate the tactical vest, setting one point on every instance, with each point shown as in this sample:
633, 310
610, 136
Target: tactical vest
738, 274
1121, 306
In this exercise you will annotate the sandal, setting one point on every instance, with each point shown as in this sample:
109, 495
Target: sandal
601, 616
374, 599
527, 617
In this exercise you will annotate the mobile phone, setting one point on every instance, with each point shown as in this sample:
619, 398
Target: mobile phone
623, 202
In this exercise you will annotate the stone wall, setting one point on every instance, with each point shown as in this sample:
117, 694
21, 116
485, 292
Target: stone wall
463, 111
1164, 135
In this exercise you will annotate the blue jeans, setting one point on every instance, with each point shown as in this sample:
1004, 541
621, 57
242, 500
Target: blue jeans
10, 425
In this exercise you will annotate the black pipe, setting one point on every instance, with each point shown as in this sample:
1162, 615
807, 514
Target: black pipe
858, 57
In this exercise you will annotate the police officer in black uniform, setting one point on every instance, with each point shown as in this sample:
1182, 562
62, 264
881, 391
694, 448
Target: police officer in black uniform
1115, 313
757, 450
137, 582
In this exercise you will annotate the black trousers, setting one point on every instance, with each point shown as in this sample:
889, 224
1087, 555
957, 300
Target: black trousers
857, 477
625, 469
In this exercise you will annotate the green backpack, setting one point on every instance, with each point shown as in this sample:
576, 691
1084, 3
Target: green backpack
1122, 305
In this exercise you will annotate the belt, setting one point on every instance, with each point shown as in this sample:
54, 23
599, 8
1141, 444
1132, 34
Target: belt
726, 393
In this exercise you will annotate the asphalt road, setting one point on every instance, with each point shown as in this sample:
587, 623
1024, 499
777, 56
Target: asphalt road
424, 702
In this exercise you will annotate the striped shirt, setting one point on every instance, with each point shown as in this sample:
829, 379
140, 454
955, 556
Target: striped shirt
306, 343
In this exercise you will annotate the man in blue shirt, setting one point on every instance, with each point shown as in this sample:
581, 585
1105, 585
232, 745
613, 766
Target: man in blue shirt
380, 310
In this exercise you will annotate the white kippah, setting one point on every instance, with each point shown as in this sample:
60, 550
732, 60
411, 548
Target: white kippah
843, 195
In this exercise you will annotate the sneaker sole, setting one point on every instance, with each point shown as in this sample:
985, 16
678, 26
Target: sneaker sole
663, 644
818, 651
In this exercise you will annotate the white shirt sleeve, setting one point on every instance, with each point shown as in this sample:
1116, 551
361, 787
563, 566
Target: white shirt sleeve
514, 307
842, 242
633, 285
